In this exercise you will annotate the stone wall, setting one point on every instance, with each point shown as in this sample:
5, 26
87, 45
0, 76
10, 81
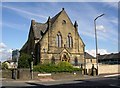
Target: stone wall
21, 74
104, 69
7, 74
108, 69
89, 66
66, 75
24, 74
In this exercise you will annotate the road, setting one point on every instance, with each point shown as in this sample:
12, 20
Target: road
103, 82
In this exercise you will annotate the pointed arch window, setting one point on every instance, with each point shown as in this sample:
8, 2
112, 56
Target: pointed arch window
69, 41
59, 40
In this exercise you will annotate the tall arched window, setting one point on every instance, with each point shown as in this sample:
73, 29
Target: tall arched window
69, 41
59, 40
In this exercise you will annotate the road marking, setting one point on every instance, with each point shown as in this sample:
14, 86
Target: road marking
114, 85
111, 75
48, 74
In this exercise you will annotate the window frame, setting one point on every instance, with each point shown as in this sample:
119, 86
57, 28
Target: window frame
69, 41
59, 40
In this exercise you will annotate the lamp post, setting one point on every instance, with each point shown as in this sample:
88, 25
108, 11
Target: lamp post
96, 39
31, 69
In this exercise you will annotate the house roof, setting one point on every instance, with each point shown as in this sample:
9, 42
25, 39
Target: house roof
8, 61
88, 56
110, 56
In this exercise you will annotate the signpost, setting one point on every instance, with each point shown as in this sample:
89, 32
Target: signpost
15, 57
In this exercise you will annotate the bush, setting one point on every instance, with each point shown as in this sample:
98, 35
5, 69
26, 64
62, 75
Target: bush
44, 68
24, 61
64, 64
60, 67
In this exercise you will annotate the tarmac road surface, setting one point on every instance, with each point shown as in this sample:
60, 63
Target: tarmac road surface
102, 82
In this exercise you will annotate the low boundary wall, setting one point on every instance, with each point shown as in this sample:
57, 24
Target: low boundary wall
25, 74
108, 69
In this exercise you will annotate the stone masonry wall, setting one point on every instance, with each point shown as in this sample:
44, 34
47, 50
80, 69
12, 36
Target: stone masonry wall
104, 69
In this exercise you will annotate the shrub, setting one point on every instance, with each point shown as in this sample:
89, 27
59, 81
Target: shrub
64, 64
60, 67
24, 61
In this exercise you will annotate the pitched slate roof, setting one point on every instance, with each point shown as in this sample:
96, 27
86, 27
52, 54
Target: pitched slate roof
8, 61
110, 56
88, 56
40, 29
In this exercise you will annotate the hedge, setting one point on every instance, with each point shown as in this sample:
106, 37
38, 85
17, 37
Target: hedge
60, 67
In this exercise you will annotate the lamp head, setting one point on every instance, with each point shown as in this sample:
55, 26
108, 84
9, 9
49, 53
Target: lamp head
99, 16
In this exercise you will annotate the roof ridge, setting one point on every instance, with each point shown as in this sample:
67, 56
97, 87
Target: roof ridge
87, 55
55, 17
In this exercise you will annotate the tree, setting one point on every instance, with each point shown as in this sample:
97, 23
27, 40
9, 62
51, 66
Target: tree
4, 66
24, 60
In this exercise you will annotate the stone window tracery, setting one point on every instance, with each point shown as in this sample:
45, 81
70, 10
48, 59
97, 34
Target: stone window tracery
59, 40
69, 41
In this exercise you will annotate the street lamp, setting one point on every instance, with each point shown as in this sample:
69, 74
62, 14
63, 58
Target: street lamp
31, 69
96, 39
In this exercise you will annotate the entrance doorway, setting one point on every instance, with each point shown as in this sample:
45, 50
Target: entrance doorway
65, 57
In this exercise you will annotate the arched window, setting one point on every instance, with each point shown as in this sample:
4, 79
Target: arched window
69, 41
59, 40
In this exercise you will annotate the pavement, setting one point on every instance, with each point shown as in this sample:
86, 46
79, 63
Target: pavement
84, 77
101, 81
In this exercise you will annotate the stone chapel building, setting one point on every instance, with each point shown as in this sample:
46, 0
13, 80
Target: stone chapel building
55, 40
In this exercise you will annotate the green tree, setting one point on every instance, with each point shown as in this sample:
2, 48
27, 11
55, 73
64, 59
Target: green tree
24, 60
4, 66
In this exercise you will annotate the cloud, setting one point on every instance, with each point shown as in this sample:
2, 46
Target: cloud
100, 51
0, 22
112, 4
61, 1
5, 53
100, 28
2, 45
15, 26
114, 20
24, 12
105, 32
